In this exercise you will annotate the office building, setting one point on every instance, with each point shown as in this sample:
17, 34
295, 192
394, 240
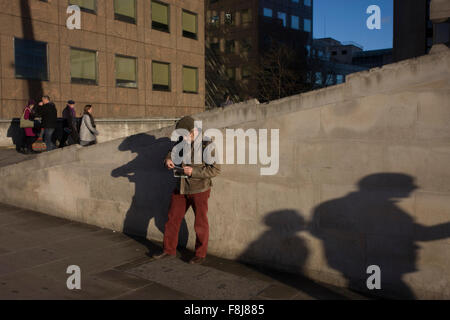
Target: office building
130, 59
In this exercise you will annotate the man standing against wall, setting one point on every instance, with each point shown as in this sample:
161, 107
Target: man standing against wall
192, 190
47, 111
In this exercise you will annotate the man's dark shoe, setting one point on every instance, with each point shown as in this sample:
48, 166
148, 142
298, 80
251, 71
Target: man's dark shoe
197, 260
162, 255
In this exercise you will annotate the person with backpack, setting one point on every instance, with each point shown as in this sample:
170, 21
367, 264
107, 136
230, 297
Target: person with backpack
88, 129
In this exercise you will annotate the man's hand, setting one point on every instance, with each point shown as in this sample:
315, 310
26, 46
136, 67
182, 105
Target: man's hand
188, 171
41, 103
169, 164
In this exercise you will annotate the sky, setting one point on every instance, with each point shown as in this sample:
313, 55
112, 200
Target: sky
345, 20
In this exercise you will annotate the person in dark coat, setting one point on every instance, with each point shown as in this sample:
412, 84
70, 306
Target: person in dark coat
47, 111
70, 132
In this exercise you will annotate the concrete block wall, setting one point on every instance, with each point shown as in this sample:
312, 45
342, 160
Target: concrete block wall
363, 180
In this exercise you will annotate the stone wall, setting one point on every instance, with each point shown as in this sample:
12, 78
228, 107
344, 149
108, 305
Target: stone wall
11, 134
363, 180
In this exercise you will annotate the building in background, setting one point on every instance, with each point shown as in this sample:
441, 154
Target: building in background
331, 61
372, 58
335, 50
413, 29
131, 59
239, 33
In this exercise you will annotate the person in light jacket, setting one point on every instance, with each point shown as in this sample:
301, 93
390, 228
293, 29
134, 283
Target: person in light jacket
88, 131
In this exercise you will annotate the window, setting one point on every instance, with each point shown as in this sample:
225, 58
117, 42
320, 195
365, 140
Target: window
295, 23
333, 53
307, 3
329, 79
246, 46
161, 76
160, 16
319, 78
308, 50
126, 72
307, 25
125, 10
231, 73
282, 16
85, 5
295, 1
267, 12
189, 25
229, 46
214, 21
246, 16
30, 59
344, 52
339, 78
83, 66
215, 47
245, 72
190, 80
229, 18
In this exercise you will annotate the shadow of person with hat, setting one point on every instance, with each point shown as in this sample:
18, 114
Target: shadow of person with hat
368, 227
153, 186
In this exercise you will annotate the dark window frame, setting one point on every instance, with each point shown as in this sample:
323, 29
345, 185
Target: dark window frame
47, 69
161, 87
119, 84
157, 25
188, 34
198, 80
87, 10
82, 80
126, 19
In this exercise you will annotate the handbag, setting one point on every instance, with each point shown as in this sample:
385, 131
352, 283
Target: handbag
24, 123
39, 145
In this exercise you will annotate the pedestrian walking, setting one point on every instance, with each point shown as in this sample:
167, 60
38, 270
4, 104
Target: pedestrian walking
47, 111
70, 131
29, 134
88, 129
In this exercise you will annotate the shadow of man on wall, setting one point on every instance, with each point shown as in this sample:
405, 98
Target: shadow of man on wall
153, 187
282, 244
368, 227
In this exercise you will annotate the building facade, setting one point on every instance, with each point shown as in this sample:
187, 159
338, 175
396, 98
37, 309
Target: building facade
331, 61
131, 59
373, 58
239, 32
413, 29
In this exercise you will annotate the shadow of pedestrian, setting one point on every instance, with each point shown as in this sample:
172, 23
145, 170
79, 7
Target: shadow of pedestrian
367, 227
16, 134
281, 245
153, 187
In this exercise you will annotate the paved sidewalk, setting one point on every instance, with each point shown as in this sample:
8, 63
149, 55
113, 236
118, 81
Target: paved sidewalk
36, 250
9, 155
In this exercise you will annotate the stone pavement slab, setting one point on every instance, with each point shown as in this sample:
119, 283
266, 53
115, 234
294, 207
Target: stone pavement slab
9, 155
199, 281
36, 250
